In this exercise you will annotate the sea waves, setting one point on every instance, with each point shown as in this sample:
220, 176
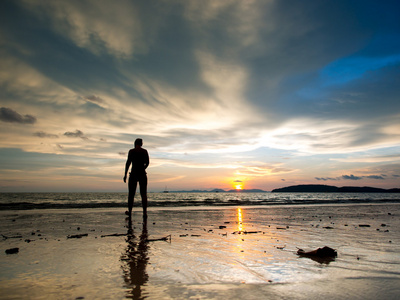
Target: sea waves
28, 201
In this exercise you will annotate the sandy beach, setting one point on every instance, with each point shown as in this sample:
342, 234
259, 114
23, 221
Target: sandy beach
202, 253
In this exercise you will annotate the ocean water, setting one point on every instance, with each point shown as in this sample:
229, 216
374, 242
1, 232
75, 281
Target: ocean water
26, 201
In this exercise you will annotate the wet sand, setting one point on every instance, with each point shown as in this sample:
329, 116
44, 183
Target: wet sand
201, 253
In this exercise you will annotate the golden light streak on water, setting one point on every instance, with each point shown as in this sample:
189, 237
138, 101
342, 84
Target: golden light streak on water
240, 219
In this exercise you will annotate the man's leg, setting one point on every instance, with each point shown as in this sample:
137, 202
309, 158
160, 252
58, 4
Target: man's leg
132, 191
143, 194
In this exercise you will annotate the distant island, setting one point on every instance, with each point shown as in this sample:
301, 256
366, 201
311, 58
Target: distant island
321, 188
303, 188
222, 191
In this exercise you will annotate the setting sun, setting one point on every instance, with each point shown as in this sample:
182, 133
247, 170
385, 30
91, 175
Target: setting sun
238, 187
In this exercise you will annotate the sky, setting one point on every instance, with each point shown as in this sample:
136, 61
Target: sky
225, 94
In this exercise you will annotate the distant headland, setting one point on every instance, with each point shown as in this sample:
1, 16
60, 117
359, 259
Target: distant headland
321, 188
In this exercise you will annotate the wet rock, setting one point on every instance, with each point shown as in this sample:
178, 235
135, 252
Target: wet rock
323, 255
320, 252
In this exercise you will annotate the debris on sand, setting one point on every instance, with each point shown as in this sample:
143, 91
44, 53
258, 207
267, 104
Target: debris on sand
77, 236
12, 250
166, 238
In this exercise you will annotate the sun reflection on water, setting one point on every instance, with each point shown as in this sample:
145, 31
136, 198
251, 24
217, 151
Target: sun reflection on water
240, 220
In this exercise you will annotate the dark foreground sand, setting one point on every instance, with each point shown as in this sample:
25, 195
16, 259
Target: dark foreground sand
213, 253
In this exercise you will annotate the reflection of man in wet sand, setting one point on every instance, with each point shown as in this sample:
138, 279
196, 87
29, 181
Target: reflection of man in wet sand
139, 158
136, 259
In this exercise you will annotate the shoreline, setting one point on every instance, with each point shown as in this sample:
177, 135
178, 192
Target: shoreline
215, 252
137, 206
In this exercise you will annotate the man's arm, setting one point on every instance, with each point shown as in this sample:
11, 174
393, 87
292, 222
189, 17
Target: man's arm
127, 165
147, 160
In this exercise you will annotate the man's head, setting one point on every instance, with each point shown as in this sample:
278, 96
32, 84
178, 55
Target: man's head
138, 142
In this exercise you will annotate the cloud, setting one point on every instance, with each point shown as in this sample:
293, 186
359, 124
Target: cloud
10, 116
326, 178
95, 99
352, 177
370, 158
43, 134
77, 133
99, 26
208, 84
380, 177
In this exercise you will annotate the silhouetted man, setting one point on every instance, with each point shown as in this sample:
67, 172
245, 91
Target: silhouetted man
139, 158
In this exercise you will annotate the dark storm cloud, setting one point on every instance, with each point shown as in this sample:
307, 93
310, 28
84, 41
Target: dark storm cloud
11, 116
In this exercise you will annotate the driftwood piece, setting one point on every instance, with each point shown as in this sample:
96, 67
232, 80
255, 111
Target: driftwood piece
11, 237
114, 234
